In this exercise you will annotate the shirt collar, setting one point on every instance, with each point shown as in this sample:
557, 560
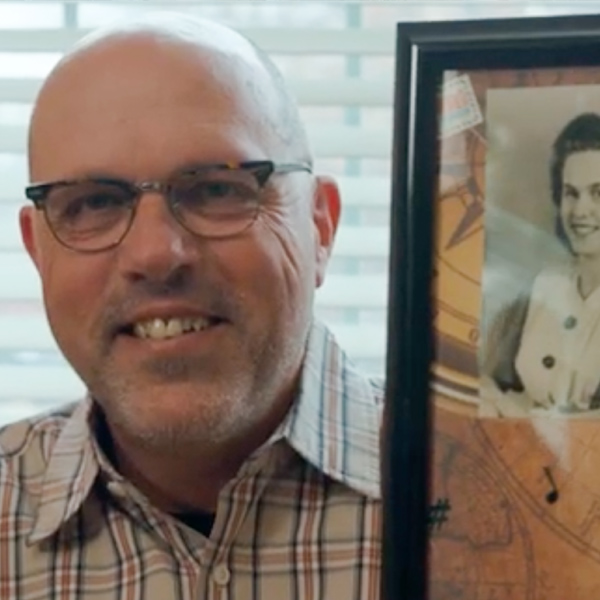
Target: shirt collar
334, 425
70, 474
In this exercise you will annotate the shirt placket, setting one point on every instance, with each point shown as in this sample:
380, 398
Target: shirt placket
236, 504
234, 507
166, 533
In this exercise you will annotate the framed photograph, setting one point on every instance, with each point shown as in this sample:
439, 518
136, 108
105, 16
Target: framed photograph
491, 462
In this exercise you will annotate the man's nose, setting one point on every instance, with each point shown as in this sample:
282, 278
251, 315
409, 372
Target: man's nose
156, 246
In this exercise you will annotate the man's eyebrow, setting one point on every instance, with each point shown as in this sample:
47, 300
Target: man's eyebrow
94, 175
188, 166
192, 166
89, 175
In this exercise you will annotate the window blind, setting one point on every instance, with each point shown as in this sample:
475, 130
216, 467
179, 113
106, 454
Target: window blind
339, 60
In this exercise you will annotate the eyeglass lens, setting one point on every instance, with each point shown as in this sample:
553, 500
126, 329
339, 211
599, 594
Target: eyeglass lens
96, 214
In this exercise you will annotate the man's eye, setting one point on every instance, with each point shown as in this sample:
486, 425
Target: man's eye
102, 201
91, 203
219, 189
218, 195
214, 190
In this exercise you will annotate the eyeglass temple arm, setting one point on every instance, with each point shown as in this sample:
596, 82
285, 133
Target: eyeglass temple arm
289, 167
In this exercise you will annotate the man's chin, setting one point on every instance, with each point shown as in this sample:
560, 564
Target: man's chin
164, 414
160, 429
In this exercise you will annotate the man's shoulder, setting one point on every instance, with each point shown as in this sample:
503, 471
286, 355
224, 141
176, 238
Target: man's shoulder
25, 445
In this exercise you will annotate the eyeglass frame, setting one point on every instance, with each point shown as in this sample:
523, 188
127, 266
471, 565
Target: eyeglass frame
261, 169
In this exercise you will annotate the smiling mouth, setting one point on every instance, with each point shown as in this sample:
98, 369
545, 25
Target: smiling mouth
583, 230
165, 329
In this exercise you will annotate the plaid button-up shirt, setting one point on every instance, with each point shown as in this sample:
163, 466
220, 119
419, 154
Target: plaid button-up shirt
300, 521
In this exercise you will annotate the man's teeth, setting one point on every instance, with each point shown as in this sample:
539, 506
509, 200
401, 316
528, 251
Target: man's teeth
159, 329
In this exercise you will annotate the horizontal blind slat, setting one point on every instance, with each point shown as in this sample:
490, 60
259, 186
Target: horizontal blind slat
309, 92
280, 40
57, 383
30, 334
328, 141
20, 279
357, 192
353, 291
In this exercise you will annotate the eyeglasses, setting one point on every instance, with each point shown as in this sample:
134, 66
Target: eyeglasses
212, 201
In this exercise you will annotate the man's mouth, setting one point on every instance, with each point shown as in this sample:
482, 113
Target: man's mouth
163, 329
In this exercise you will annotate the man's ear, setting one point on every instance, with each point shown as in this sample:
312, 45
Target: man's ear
326, 215
27, 224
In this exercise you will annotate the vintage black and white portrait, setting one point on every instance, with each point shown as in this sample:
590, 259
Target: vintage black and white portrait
540, 348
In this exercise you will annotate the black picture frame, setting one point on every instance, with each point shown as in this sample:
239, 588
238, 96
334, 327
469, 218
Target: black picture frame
425, 51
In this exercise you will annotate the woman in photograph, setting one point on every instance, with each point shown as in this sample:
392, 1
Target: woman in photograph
544, 350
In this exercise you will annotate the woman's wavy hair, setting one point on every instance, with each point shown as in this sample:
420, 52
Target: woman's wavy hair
580, 134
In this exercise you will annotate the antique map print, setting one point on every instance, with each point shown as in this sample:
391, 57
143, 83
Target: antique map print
524, 522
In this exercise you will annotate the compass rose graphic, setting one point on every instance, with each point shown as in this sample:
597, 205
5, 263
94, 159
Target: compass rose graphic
470, 223
459, 261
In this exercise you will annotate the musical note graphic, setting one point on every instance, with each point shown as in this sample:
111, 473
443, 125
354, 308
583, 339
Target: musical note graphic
552, 495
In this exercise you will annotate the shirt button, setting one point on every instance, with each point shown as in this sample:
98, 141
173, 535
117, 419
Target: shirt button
221, 575
570, 322
548, 361
116, 489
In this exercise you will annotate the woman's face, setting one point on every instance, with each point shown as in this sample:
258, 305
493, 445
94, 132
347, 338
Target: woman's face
580, 202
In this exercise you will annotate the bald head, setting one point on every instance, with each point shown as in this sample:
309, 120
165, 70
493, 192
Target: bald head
155, 60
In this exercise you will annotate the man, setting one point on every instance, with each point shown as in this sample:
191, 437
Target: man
227, 448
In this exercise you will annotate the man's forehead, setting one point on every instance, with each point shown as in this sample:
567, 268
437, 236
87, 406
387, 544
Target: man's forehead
161, 72
152, 64
160, 47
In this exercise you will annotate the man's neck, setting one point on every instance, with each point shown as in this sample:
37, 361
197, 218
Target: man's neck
175, 483
184, 479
